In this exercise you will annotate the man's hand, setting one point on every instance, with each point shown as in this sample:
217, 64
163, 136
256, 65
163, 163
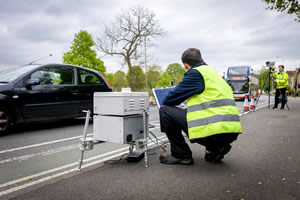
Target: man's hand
275, 81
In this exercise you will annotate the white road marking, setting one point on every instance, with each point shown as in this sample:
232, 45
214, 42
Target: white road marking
59, 168
54, 176
54, 141
119, 153
40, 144
51, 151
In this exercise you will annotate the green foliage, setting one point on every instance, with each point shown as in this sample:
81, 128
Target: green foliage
81, 53
292, 6
176, 71
119, 80
290, 91
139, 78
153, 76
263, 78
175, 68
165, 80
110, 78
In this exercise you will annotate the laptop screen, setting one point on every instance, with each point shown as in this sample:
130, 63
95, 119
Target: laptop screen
160, 93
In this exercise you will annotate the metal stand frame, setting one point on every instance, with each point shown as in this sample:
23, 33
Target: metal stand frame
87, 143
267, 77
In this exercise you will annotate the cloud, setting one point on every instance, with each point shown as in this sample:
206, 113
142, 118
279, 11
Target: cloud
227, 32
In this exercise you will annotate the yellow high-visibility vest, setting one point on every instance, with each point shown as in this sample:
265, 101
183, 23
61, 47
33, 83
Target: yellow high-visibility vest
282, 80
213, 111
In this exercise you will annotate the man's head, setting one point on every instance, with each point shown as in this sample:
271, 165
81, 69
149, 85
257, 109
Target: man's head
191, 57
281, 68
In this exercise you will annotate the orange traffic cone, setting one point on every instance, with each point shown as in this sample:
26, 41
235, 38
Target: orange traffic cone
150, 101
246, 104
252, 106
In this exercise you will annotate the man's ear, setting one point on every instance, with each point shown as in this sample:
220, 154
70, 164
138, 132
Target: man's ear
186, 66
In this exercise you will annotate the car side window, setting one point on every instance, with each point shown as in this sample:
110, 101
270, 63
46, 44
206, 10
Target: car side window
88, 78
54, 76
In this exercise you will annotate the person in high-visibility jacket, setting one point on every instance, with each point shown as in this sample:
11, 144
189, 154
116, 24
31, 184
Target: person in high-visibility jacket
211, 118
281, 82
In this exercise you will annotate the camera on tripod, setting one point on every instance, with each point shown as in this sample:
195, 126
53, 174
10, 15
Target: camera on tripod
271, 65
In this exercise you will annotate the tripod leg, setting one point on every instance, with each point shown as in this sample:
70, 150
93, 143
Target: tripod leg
265, 81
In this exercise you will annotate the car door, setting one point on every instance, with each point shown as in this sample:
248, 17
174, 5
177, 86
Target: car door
54, 98
89, 82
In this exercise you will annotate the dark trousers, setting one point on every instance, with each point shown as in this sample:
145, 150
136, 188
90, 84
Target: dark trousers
173, 122
281, 91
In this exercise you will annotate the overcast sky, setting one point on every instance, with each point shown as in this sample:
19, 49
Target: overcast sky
230, 32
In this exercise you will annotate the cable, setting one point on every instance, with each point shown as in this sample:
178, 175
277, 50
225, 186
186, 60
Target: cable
117, 161
151, 126
159, 144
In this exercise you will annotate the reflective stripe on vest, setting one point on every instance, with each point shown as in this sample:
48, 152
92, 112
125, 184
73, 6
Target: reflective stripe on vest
214, 110
212, 104
214, 119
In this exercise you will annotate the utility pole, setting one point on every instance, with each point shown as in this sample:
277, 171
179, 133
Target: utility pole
145, 61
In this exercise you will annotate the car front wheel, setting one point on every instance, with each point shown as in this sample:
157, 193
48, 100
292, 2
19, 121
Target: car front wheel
5, 119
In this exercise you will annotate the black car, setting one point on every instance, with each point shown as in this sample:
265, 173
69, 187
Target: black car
36, 93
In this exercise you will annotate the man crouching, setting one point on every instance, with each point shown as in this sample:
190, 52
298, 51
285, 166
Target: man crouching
211, 119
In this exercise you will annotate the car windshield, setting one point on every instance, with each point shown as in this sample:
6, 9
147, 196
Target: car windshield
239, 86
12, 73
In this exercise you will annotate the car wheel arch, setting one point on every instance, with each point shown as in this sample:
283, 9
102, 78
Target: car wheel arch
6, 113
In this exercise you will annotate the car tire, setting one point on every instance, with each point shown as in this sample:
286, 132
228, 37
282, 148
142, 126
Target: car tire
5, 121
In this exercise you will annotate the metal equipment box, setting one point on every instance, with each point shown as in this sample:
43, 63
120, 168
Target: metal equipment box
122, 130
120, 103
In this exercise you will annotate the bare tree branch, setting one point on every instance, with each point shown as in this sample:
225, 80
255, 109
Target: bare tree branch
127, 33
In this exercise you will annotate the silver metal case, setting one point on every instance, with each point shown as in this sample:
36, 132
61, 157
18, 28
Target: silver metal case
120, 130
120, 103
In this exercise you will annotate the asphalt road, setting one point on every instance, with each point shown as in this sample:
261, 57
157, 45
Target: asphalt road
38, 152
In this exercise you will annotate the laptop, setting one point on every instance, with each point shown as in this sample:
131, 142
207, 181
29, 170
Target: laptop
161, 93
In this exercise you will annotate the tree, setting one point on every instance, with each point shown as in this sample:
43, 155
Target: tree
128, 33
139, 76
165, 80
263, 78
120, 80
81, 53
292, 6
176, 71
153, 76
110, 78
175, 68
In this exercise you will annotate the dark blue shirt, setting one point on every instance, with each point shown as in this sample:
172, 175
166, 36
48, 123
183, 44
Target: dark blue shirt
191, 84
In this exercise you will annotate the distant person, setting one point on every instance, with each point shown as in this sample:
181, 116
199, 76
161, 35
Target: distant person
211, 119
281, 83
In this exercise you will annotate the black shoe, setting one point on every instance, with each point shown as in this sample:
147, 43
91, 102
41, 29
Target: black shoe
281, 108
169, 159
274, 108
218, 156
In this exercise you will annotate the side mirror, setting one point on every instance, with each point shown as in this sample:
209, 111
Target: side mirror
32, 82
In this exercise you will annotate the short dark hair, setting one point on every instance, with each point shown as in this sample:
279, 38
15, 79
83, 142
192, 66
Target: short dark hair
191, 56
281, 66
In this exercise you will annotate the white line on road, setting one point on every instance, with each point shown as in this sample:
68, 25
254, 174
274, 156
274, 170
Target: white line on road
118, 151
58, 168
40, 144
51, 151
50, 142
55, 175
